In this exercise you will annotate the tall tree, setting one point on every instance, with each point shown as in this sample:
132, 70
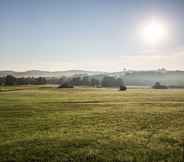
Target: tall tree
10, 80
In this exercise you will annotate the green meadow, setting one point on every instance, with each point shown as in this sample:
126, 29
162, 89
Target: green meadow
47, 124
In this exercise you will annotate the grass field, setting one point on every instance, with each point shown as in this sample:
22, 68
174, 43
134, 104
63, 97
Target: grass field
46, 124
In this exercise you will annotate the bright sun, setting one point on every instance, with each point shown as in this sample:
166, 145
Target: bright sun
154, 32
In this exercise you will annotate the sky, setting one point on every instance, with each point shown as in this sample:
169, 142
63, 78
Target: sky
100, 35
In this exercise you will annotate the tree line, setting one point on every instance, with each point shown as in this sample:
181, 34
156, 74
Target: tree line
10, 80
106, 81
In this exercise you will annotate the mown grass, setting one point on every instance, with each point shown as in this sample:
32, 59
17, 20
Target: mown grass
42, 124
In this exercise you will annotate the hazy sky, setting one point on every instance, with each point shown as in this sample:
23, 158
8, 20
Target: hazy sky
88, 34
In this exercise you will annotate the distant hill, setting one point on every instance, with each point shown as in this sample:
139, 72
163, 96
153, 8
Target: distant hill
38, 73
130, 77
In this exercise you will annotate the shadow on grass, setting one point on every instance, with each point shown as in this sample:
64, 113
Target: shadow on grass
81, 150
7, 90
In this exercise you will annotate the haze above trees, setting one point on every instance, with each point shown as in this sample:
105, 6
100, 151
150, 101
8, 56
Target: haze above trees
134, 78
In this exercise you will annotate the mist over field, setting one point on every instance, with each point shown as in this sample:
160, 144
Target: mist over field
130, 77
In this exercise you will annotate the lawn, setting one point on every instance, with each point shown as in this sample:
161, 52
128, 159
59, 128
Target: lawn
47, 124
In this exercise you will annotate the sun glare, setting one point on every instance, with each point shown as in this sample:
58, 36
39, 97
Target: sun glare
154, 32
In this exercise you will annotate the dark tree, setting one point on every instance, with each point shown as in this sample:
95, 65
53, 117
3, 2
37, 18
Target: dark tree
40, 80
109, 81
2, 81
76, 81
85, 81
10, 80
53, 80
22, 81
95, 82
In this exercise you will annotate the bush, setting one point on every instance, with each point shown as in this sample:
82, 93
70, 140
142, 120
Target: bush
66, 85
122, 88
157, 85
